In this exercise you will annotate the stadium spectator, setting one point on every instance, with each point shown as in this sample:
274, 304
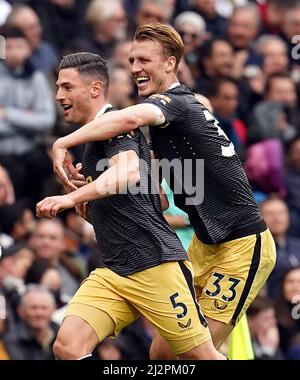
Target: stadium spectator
275, 54
152, 11
77, 237
62, 20
287, 311
43, 56
226, 7
120, 54
32, 337
48, 243
216, 24
192, 30
272, 14
44, 273
243, 28
269, 120
264, 330
17, 221
137, 339
26, 117
282, 88
291, 28
276, 215
120, 88
217, 59
110, 349
292, 181
107, 22
224, 96
14, 264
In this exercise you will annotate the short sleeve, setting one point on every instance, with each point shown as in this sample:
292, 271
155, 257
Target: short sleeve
173, 106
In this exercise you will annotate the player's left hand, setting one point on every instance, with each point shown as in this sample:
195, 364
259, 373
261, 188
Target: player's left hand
62, 164
51, 206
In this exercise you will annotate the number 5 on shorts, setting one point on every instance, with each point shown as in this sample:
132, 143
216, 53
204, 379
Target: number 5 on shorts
178, 304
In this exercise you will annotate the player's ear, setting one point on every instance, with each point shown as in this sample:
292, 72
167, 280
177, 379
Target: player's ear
96, 89
171, 63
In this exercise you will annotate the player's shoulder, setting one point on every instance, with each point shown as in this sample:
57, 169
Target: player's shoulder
179, 95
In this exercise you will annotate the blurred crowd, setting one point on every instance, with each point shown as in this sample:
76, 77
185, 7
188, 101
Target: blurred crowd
242, 55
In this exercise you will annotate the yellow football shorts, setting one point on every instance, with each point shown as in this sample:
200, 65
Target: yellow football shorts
228, 276
163, 294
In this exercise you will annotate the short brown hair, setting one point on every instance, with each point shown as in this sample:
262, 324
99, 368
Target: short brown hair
167, 36
87, 63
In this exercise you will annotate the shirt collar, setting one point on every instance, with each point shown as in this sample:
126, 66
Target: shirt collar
103, 109
175, 84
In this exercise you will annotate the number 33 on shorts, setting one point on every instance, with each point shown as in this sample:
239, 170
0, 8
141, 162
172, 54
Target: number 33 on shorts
223, 289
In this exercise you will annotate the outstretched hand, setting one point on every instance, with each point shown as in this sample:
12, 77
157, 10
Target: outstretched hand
49, 207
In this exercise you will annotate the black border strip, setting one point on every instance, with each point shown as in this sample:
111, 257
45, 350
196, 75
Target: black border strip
250, 279
189, 279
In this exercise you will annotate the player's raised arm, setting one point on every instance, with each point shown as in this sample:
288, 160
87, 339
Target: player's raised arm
123, 172
103, 128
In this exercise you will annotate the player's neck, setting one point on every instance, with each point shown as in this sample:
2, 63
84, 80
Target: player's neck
171, 83
98, 110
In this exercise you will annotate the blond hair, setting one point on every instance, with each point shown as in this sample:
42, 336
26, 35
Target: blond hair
165, 35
